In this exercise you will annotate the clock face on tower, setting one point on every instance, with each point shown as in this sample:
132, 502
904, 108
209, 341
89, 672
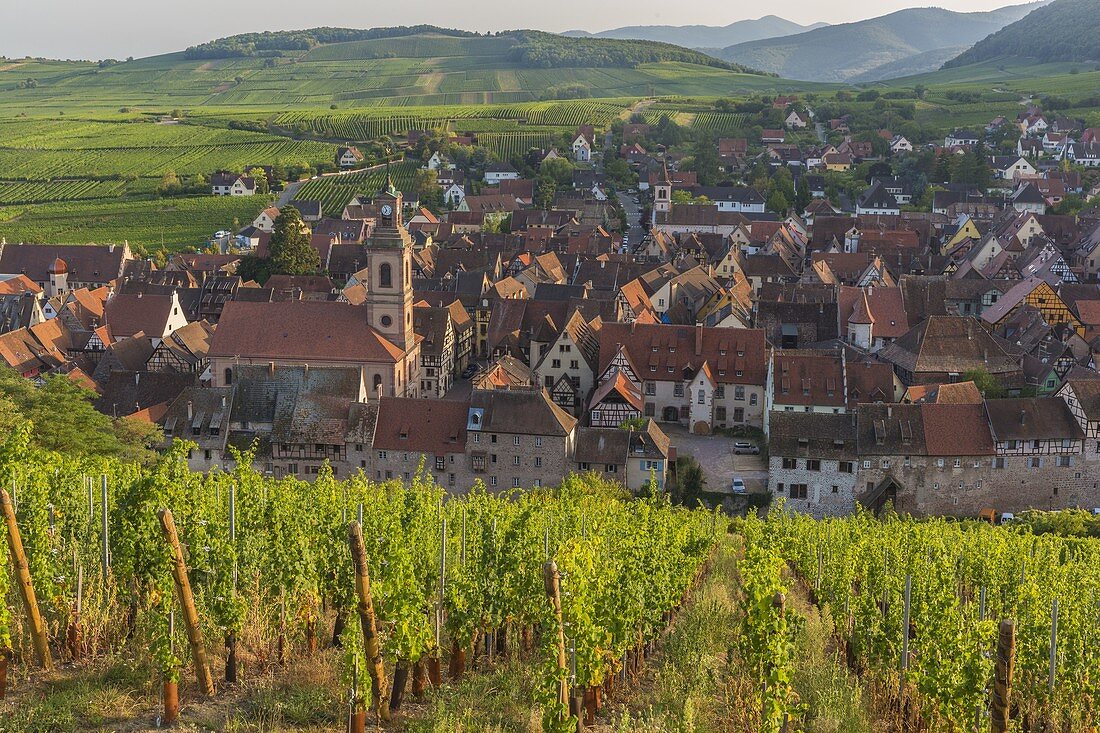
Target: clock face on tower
386, 210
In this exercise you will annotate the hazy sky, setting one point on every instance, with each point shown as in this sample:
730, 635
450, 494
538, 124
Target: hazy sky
120, 28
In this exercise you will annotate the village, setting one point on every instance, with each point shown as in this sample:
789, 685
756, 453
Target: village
806, 315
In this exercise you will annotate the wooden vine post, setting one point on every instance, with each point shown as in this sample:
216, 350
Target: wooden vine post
552, 580
187, 603
1002, 677
368, 622
26, 587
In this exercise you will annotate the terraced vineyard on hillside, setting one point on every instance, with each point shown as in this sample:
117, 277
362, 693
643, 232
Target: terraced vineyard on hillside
334, 192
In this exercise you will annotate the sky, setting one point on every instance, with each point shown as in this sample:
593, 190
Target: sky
79, 29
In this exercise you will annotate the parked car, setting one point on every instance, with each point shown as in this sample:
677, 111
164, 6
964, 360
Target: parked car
745, 448
994, 517
738, 486
469, 371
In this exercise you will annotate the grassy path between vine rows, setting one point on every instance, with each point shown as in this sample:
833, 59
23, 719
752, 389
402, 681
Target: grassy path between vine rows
692, 684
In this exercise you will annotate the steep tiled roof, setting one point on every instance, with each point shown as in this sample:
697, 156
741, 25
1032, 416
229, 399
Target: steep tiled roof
434, 427
949, 344
306, 330
1088, 395
528, 412
86, 263
1032, 418
956, 430
126, 314
820, 435
127, 392
656, 348
808, 377
622, 387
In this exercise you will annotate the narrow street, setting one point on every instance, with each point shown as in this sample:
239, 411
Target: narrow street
633, 210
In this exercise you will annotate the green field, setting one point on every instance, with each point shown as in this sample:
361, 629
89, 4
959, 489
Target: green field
1017, 76
181, 223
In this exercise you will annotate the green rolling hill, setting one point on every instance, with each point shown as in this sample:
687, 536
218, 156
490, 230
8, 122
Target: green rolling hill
423, 67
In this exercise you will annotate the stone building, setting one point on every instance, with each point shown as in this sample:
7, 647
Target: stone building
631, 457
700, 377
811, 463
518, 438
935, 458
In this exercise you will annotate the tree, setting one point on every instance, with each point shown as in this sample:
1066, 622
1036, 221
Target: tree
263, 186
428, 190
560, 169
802, 197
783, 182
1070, 205
778, 203
291, 253
254, 268
63, 419
690, 481
941, 173
169, 184
986, 383
706, 161
545, 192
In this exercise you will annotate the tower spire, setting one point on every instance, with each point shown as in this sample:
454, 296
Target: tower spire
389, 187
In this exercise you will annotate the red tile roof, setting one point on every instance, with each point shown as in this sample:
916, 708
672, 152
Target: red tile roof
434, 427
653, 348
300, 330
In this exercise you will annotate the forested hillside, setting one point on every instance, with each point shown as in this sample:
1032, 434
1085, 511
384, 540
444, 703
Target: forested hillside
872, 49
1065, 30
274, 43
547, 50
705, 36
534, 49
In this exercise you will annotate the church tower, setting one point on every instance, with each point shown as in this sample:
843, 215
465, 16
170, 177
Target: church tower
662, 195
389, 300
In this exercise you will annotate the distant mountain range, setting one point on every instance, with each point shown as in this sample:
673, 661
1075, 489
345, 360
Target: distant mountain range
705, 36
909, 41
1064, 30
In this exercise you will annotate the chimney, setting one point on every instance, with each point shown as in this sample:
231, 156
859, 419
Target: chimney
380, 392
889, 411
224, 401
137, 378
698, 340
190, 411
271, 369
1023, 416
111, 248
